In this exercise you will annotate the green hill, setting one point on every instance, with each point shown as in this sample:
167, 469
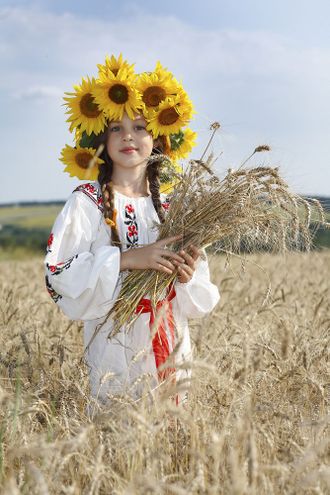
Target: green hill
25, 227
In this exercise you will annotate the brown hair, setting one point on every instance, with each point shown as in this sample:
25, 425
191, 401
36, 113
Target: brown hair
104, 179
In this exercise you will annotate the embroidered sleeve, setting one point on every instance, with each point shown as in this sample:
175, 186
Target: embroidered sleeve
50, 242
80, 278
93, 193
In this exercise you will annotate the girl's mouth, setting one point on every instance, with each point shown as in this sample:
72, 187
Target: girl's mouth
128, 150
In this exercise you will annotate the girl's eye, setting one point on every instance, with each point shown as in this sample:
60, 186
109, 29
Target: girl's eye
140, 128
115, 128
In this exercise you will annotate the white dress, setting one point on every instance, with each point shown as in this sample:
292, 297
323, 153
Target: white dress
83, 278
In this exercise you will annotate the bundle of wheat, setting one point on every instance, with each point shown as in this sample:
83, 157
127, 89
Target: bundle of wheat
247, 210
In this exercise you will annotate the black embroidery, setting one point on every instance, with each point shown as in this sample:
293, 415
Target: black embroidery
132, 234
94, 193
53, 294
57, 269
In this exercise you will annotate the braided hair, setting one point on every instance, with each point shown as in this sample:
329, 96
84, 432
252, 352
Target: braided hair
104, 179
153, 175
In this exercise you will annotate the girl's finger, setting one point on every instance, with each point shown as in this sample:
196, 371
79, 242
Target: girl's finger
167, 253
184, 274
169, 240
188, 259
187, 269
196, 253
161, 268
164, 262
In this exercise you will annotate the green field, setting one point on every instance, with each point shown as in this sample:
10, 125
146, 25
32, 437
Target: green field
29, 217
24, 229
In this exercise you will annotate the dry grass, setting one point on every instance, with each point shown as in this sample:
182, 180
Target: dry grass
251, 208
257, 420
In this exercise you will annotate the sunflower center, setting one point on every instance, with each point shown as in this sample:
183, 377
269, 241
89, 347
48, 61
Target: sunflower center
118, 93
168, 116
88, 107
83, 159
153, 95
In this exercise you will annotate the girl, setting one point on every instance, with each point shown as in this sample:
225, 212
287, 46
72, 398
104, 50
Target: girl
108, 227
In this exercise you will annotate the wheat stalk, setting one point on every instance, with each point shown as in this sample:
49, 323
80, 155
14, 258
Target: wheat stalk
250, 208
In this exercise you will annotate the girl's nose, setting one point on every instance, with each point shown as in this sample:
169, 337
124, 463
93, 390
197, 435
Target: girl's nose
127, 136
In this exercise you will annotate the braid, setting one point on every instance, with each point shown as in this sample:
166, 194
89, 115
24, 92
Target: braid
154, 183
110, 212
104, 179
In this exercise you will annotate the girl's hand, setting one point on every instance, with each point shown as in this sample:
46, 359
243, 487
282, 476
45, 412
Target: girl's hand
186, 271
154, 256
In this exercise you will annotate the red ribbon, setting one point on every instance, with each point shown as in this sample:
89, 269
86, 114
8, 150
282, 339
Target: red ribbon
160, 343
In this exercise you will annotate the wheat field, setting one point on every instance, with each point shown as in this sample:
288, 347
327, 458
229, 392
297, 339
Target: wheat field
257, 421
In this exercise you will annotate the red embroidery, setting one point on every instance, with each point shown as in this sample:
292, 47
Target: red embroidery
129, 209
166, 204
65, 265
50, 242
132, 234
94, 193
89, 187
132, 230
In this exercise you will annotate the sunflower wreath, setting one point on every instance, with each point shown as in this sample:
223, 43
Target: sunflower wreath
157, 95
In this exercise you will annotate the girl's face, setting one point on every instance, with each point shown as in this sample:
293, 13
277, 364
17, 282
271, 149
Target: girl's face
129, 144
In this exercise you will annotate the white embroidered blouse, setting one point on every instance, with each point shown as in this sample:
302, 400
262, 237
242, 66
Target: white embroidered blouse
84, 280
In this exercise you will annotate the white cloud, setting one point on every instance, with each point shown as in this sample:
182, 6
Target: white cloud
260, 85
38, 93
78, 43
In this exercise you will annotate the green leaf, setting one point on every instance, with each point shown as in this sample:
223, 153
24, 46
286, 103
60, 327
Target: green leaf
176, 140
87, 141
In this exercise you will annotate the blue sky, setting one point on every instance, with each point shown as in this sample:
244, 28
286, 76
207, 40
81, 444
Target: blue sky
260, 68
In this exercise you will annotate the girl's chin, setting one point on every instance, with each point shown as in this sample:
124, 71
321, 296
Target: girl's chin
131, 163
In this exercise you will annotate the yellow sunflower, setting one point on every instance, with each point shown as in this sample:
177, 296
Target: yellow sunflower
155, 87
83, 110
81, 162
173, 113
163, 73
114, 65
182, 143
78, 133
117, 94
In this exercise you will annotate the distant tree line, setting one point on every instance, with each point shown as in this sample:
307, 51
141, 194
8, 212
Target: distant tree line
33, 203
14, 236
35, 239
324, 200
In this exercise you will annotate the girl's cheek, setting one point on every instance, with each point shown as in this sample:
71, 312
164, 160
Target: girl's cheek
109, 145
148, 147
